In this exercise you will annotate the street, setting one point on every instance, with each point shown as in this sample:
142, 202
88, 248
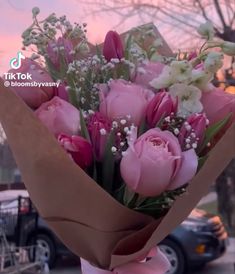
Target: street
224, 265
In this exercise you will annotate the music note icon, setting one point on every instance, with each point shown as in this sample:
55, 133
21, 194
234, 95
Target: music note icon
15, 62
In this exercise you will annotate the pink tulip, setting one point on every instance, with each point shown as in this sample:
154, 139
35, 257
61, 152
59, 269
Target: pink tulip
124, 100
113, 47
154, 163
62, 92
79, 149
218, 104
60, 50
192, 131
147, 72
59, 116
99, 127
161, 106
33, 96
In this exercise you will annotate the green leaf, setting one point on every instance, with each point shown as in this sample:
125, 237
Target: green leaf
84, 131
108, 164
98, 51
201, 161
128, 46
120, 193
72, 91
213, 130
142, 128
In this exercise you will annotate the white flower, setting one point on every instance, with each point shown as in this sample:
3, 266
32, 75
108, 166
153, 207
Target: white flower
206, 30
201, 78
181, 71
163, 80
177, 72
213, 62
228, 48
188, 99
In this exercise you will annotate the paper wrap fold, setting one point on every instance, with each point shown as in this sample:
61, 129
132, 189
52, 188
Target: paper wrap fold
87, 220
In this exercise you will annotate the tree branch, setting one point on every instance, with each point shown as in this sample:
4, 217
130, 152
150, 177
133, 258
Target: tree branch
219, 11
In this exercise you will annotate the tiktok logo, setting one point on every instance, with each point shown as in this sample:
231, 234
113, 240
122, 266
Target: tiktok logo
15, 63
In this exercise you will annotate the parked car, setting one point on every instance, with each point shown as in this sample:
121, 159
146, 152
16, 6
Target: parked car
201, 238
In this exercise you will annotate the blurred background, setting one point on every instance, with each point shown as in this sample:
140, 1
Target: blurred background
209, 245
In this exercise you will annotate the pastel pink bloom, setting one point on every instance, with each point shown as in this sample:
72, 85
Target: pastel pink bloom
161, 106
99, 127
147, 72
57, 49
124, 100
154, 163
218, 104
62, 92
158, 264
193, 131
59, 116
79, 149
113, 47
33, 96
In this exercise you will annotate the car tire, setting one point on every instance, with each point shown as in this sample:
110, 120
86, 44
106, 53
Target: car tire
175, 255
49, 250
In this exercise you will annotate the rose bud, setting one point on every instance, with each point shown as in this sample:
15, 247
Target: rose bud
99, 126
59, 116
124, 100
33, 96
79, 149
154, 163
59, 48
147, 72
113, 47
192, 131
218, 104
161, 106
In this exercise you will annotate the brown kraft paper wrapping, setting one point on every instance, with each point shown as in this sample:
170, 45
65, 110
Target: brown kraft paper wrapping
89, 221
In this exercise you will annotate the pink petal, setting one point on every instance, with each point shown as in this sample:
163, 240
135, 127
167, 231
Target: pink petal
159, 264
188, 169
130, 168
87, 268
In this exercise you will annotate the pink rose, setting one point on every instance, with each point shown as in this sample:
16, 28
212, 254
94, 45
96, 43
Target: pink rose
59, 117
79, 149
59, 48
147, 72
124, 100
99, 127
193, 131
218, 104
113, 48
161, 106
154, 163
33, 96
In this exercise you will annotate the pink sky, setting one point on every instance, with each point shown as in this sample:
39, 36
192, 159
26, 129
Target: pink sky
15, 17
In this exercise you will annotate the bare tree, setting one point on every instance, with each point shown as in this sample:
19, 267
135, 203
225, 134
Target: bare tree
180, 15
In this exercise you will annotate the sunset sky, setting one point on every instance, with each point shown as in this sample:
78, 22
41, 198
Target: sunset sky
15, 16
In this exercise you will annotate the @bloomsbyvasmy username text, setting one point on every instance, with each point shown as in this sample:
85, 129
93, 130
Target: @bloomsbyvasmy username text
25, 80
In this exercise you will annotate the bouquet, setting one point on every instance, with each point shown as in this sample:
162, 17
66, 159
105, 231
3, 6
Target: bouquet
120, 152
